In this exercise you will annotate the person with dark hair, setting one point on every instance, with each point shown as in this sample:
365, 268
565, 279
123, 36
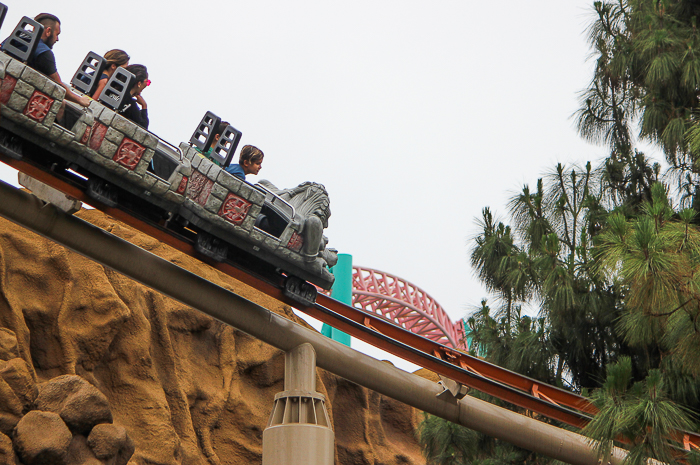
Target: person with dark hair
135, 107
44, 61
218, 130
249, 162
114, 58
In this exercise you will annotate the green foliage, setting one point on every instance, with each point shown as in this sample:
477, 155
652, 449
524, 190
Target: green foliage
524, 347
546, 259
640, 414
694, 458
445, 443
627, 179
498, 260
655, 257
647, 75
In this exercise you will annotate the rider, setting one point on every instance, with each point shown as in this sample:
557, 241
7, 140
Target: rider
135, 107
114, 58
44, 61
249, 162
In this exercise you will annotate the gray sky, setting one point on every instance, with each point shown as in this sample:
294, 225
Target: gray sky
415, 115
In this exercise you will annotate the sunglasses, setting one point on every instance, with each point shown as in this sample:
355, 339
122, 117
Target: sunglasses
148, 82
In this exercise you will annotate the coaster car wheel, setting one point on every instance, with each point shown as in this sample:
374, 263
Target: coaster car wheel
211, 246
11, 144
103, 192
299, 290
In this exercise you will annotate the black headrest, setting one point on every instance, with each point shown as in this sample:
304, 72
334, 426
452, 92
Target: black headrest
117, 88
87, 77
24, 39
226, 145
203, 136
3, 12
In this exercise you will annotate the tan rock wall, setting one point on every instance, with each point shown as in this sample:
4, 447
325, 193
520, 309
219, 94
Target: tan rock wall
188, 389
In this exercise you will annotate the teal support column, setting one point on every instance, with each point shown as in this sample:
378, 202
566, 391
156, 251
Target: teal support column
342, 292
469, 337
467, 334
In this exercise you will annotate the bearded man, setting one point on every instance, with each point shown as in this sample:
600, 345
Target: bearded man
44, 61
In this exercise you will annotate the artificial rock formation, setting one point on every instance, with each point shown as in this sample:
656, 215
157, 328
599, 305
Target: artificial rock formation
79, 404
41, 438
106, 371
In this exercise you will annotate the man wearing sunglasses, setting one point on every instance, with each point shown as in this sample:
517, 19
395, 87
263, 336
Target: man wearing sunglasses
135, 107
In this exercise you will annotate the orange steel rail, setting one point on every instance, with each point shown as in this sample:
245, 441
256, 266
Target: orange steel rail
519, 390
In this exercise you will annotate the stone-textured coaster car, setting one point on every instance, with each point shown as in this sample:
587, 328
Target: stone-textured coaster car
28, 98
225, 206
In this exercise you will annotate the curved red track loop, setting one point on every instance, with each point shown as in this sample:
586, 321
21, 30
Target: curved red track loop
404, 304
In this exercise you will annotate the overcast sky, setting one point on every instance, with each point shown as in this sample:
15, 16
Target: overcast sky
415, 115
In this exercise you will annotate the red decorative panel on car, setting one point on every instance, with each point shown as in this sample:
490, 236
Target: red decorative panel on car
38, 106
86, 135
183, 185
97, 136
6, 88
234, 209
295, 242
129, 153
199, 188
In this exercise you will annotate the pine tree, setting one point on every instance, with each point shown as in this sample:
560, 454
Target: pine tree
639, 414
646, 84
647, 68
617, 283
656, 258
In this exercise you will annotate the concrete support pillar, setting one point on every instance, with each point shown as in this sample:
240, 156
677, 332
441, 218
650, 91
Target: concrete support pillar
300, 369
299, 429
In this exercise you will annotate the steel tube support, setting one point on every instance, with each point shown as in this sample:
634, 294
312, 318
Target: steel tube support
300, 369
188, 288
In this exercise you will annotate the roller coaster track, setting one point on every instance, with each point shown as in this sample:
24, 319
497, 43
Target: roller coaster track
542, 399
